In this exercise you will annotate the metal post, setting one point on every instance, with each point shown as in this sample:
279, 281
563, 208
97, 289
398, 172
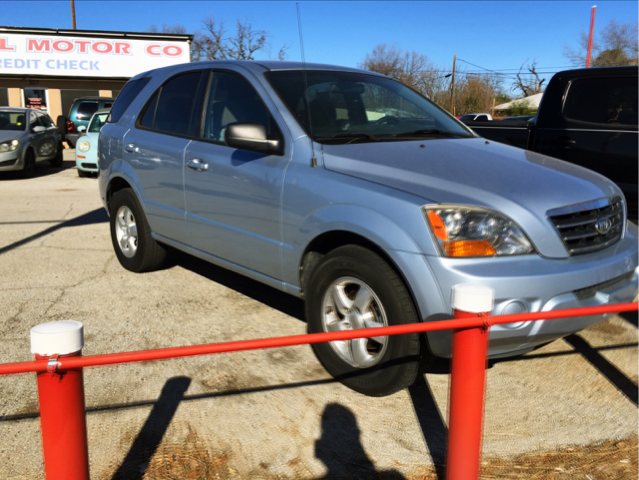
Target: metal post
61, 399
468, 383
592, 28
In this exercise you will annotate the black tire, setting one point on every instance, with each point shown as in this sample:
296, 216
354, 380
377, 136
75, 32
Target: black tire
137, 251
82, 173
28, 169
61, 123
393, 365
58, 160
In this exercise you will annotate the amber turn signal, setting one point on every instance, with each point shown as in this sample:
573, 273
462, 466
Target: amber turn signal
475, 248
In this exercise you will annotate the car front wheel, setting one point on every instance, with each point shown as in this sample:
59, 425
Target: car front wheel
353, 288
134, 246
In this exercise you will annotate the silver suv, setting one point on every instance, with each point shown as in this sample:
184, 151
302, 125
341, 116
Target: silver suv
357, 194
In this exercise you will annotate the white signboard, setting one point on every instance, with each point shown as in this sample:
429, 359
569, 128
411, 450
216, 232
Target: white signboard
85, 56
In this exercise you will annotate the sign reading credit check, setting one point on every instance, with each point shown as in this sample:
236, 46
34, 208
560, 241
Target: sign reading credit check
86, 56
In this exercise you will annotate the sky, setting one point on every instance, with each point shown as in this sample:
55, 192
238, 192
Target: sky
497, 36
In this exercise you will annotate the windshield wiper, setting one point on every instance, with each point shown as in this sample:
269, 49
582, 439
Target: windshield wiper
352, 137
428, 132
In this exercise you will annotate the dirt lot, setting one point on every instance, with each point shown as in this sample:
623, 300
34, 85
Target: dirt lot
568, 410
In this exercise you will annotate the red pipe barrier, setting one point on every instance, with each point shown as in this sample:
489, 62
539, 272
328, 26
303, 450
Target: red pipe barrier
468, 382
173, 352
61, 390
63, 422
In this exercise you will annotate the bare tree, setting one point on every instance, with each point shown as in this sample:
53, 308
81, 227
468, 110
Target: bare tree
617, 44
215, 44
410, 68
531, 85
177, 28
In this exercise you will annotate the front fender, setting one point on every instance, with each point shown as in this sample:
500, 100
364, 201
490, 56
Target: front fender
387, 234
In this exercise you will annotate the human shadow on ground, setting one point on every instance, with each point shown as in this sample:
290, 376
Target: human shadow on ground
149, 438
340, 449
432, 424
98, 215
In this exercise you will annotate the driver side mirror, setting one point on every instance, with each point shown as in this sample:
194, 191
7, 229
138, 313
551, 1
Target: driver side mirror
251, 136
38, 129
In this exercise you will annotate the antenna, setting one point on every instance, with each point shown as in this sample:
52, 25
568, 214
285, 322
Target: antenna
308, 105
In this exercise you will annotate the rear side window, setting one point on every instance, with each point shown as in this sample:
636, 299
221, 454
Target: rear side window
171, 108
86, 110
126, 96
604, 101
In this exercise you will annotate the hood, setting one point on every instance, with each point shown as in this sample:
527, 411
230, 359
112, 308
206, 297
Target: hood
11, 135
521, 184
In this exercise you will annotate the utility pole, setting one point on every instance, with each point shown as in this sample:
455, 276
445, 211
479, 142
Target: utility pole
452, 88
592, 27
73, 12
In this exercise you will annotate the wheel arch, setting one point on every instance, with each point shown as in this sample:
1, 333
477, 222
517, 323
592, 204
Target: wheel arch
115, 185
328, 241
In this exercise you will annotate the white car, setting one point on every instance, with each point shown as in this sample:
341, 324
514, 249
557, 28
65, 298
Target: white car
477, 117
86, 149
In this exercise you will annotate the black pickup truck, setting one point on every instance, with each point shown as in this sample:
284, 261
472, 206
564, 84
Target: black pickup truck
588, 117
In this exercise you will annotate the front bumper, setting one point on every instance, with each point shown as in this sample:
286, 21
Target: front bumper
527, 283
11, 161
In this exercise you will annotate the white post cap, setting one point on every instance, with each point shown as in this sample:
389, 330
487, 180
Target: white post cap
471, 298
57, 338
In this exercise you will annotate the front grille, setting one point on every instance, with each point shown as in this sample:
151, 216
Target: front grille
88, 165
581, 229
589, 292
8, 163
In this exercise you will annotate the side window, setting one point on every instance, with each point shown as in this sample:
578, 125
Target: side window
232, 99
130, 91
33, 120
86, 110
46, 120
607, 101
171, 108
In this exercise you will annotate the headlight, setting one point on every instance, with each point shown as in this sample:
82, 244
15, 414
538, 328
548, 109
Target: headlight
475, 232
9, 146
84, 146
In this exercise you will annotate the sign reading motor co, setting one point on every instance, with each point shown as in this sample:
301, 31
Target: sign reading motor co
86, 56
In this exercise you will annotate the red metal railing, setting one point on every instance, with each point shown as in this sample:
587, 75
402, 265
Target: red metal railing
470, 341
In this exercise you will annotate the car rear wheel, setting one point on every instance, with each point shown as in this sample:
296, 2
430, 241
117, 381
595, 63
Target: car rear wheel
134, 246
28, 170
353, 288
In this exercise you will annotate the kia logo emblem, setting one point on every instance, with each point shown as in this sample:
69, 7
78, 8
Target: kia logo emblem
603, 225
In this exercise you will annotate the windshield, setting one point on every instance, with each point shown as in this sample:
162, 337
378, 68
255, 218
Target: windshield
345, 107
97, 121
12, 121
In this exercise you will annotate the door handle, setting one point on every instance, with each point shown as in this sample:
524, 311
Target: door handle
197, 164
131, 148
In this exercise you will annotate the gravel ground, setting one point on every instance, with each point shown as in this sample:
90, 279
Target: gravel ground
261, 414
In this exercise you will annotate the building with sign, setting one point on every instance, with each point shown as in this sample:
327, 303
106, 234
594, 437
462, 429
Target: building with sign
49, 68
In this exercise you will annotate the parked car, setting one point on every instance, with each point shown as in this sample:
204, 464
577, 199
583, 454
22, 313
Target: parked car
86, 150
80, 113
27, 137
477, 117
282, 172
588, 117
